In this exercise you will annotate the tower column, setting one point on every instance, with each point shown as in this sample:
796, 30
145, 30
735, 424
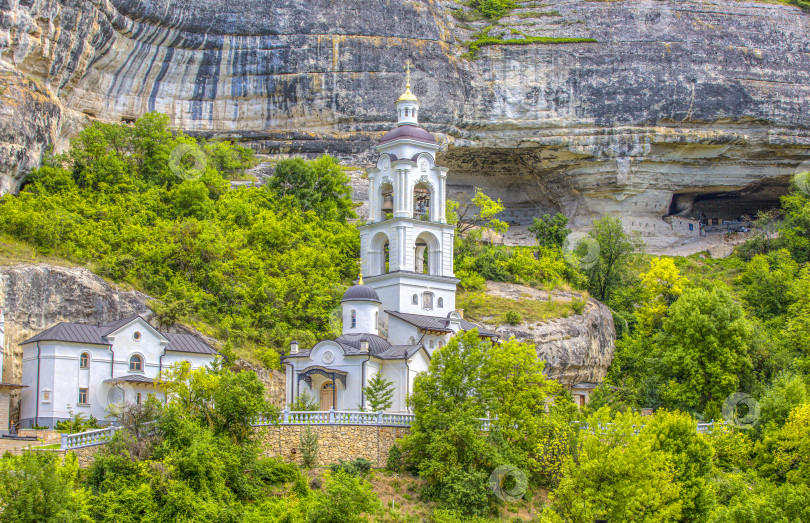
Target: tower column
441, 197
401, 201
373, 203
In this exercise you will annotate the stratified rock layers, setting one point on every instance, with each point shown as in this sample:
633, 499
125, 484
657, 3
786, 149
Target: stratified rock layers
575, 349
674, 97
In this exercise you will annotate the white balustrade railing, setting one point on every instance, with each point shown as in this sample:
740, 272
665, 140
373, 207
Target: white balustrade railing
337, 417
87, 439
330, 417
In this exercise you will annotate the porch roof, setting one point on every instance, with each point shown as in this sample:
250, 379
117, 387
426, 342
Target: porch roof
131, 378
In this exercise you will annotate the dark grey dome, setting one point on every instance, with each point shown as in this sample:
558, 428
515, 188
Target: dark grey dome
376, 344
361, 293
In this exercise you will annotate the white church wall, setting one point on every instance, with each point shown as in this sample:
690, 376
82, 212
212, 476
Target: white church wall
396, 372
197, 361
401, 333
137, 338
417, 364
366, 316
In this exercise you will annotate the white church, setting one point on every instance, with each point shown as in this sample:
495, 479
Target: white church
405, 307
78, 368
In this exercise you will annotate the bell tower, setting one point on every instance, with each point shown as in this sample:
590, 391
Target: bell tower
407, 246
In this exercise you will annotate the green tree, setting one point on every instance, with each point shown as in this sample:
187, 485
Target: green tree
661, 286
35, 488
702, 349
616, 475
319, 185
550, 231
787, 392
767, 283
673, 434
469, 379
480, 211
784, 452
607, 268
379, 393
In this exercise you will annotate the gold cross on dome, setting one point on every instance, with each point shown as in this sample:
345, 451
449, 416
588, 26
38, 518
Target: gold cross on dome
408, 66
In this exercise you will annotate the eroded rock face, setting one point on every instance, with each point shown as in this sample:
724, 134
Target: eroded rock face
674, 97
576, 349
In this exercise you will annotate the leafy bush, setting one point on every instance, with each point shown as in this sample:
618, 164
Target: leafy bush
513, 317
493, 9
578, 305
344, 499
357, 467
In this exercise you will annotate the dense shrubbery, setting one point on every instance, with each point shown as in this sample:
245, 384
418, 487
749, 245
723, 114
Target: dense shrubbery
260, 264
193, 459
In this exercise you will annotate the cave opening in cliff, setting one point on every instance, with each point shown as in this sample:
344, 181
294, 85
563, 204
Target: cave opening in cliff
722, 206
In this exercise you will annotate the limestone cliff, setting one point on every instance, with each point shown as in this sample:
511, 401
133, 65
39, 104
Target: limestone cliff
576, 349
678, 104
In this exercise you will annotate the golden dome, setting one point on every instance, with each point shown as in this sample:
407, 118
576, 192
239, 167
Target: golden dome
408, 96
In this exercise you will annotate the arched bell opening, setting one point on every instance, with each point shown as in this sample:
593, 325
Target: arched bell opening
421, 202
380, 255
386, 202
427, 255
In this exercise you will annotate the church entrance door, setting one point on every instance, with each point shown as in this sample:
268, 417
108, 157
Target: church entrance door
327, 396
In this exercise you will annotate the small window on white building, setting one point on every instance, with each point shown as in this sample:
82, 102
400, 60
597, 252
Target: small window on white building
427, 300
441, 303
46, 396
135, 363
83, 395
136, 336
431, 344
84, 361
354, 319
138, 398
415, 299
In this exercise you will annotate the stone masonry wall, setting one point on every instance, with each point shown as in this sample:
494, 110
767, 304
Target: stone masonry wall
5, 403
336, 442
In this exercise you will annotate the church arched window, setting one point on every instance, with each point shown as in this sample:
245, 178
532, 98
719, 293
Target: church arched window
415, 300
136, 363
354, 319
441, 303
84, 361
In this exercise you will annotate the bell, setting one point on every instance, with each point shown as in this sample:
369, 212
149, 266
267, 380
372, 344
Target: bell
388, 203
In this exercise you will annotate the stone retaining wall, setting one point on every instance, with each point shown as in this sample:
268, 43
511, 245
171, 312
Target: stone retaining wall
48, 436
336, 442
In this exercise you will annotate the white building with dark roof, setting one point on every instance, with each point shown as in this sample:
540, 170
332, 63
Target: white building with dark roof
406, 307
83, 369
